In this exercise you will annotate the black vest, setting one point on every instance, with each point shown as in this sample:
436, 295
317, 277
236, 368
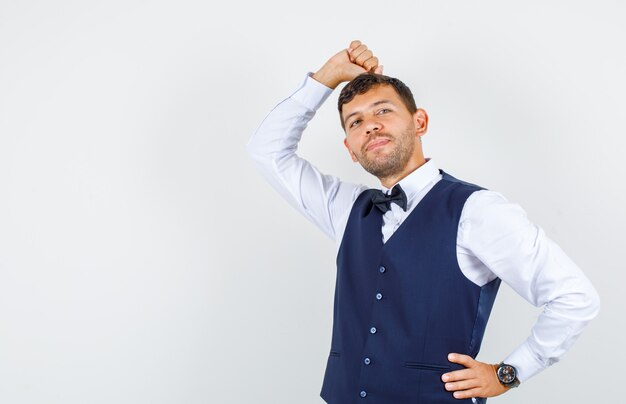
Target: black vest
402, 306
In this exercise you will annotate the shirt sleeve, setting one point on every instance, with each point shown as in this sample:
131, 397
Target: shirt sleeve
323, 199
517, 251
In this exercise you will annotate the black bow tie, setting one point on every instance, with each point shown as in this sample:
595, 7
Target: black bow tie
383, 201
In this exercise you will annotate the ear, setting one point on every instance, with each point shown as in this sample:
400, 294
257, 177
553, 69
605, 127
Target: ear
420, 119
345, 142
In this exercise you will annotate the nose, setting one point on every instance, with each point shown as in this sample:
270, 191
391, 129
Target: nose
372, 126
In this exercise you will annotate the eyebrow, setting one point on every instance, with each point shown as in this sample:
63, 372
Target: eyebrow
371, 106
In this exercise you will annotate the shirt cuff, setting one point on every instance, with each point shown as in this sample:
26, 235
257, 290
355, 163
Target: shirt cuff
525, 362
311, 93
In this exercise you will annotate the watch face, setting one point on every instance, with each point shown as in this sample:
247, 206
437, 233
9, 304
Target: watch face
506, 374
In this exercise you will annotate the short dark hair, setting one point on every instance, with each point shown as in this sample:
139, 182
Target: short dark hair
366, 81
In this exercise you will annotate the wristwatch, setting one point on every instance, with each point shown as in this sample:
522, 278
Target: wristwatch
507, 375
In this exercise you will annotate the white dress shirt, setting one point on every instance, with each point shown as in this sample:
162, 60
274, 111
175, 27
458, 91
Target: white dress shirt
495, 238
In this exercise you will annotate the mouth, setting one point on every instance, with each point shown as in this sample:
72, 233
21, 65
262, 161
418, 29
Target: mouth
377, 143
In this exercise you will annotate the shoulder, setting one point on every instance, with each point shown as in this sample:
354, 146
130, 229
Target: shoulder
488, 218
460, 184
491, 205
455, 191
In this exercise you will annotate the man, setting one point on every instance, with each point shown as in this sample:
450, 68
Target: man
419, 263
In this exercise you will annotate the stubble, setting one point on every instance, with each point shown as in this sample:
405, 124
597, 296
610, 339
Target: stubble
387, 164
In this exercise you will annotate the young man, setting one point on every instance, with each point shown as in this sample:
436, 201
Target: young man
420, 261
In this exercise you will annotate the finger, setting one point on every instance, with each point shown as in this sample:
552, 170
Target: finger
457, 375
476, 392
379, 70
462, 385
370, 63
461, 359
354, 44
356, 52
362, 57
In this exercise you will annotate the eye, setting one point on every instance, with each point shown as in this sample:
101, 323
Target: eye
354, 123
384, 111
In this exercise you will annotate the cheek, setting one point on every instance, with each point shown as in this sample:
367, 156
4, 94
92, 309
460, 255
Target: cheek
352, 149
349, 142
356, 140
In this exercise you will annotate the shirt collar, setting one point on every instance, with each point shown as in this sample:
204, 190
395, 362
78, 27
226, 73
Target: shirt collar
417, 180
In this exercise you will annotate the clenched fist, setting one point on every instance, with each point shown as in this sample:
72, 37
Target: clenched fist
347, 64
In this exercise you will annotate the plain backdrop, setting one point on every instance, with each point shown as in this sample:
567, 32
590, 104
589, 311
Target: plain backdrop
144, 260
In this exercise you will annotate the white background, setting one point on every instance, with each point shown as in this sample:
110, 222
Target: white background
143, 260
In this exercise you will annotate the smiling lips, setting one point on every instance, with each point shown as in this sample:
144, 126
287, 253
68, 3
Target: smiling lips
376, 143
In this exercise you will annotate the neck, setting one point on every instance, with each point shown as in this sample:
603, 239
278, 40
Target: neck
393, 179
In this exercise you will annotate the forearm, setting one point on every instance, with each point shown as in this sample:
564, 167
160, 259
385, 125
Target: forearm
570, 302
278, 135
274, 144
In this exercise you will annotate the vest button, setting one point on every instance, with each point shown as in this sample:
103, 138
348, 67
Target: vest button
373, 330
363, 393
382, 270
379, 296
367, 361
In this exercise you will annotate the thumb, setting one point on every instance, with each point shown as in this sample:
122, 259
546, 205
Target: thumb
350, 57
461, 359
379, 69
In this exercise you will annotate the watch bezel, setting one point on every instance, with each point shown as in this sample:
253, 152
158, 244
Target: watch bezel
507, 375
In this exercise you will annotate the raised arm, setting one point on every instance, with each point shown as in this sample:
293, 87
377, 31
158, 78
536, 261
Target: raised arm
323, 199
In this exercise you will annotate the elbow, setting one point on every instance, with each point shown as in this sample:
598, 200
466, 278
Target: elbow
588, 303
580, 303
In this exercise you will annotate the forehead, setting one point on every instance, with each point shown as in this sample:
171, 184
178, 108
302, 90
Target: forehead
374, 95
